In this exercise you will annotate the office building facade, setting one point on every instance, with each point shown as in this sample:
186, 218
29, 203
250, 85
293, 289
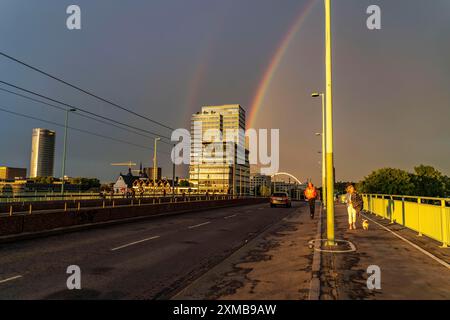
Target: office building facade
219, 163
42, 153
258, 182
9, 173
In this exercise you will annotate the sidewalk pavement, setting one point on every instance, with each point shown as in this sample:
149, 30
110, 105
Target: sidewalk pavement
274, 265
412, 267
279, 264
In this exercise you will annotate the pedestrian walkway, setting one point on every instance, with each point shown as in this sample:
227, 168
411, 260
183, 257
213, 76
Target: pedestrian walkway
412, 267
274, 265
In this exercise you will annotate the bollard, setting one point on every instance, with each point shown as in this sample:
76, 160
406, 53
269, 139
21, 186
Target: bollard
10, 211
31, 208
132, 203
65, 206
103, 205
113, 204
139, 202
78, 207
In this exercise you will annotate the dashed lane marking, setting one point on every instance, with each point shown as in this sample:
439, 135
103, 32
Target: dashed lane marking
10, 279
199, 225
135, 242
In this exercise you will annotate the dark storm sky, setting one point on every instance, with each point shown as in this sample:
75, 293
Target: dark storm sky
165, 59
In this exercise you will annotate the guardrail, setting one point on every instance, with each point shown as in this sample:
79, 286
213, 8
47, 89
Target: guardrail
108, 202
26, 226
426, 215
54, 196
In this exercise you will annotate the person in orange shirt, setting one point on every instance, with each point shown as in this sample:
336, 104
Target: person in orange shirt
311, 195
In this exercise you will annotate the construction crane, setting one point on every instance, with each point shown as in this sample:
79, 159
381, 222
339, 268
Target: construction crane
128, 164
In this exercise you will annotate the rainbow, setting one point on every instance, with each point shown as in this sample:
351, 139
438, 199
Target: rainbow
275, 62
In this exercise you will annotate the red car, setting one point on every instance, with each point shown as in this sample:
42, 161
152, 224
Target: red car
280, 199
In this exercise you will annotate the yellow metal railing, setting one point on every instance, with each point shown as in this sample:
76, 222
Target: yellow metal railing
428, 216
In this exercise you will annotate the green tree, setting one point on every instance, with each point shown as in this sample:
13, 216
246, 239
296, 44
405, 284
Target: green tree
339, 186
447, 186
184, 183
426, 181
388, 181
85, 183
429, 182
43, 180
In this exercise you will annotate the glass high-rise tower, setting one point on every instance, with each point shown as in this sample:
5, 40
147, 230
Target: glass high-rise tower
42, 153
227, 171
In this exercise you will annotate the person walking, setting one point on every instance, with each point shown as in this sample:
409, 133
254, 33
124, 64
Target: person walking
354, 206
350, 211
311, 195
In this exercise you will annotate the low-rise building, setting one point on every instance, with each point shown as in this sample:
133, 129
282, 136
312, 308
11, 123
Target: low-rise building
10, 173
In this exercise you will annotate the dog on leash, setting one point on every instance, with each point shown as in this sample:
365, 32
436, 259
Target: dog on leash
365, 224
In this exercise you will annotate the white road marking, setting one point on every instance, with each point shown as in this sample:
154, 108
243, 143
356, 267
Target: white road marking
9, 279
135, 242
445, 264
234, 215
199, 225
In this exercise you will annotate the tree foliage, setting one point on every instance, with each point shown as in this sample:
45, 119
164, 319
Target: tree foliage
426, 181
184, 183
85, 183
43, 180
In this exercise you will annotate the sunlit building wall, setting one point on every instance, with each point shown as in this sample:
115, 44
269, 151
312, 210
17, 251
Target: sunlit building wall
42, 153
212, 172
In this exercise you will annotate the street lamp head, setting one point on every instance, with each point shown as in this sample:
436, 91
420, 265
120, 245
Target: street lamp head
157, 139
318, 134
315, 94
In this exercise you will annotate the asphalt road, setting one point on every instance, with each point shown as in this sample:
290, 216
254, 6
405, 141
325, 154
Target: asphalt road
141, 260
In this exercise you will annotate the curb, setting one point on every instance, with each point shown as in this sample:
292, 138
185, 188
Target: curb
314, 289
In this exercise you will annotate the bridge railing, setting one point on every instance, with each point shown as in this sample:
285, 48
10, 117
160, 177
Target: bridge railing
107, 202
426, 215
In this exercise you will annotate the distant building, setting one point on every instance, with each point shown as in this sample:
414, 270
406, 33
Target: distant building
214, 173
141, 184
149, 173
125, 182
9, 173
42, 153
257, 181
294, 189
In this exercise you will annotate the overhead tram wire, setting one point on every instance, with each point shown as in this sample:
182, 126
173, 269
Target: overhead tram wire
79, 114
86, 111
77, 129
85, 91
